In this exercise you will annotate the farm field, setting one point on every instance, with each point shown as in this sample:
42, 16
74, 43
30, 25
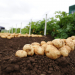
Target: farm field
32, 65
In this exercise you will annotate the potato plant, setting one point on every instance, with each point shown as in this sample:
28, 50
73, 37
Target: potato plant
62, 26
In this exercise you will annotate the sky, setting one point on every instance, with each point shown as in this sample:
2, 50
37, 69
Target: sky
18, 13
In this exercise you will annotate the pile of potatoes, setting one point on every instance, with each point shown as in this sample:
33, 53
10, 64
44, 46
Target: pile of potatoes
52, 49
9, 35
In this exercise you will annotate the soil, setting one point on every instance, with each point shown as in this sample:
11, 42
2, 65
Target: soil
32, 65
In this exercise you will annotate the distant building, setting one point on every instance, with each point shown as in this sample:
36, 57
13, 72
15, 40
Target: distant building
72, 9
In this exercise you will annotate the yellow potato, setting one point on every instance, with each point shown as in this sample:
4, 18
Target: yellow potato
43, 42
21, 53
70, 43
65, 50
9, 37
58, 43
73, 37
52, 52
35, 43
74, 42
39, 50
44, 46
39, 35
3, 36
29, 49
49, 43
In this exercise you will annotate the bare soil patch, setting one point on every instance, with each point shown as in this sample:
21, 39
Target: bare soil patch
35, 65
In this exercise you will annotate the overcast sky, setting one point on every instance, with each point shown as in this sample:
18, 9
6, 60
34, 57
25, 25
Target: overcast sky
13, 12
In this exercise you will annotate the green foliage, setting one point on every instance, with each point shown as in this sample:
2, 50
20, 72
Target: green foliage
25, 30
62, 26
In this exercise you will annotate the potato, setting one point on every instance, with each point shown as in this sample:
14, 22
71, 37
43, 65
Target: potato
21, 53
33, 35
29, 49
65, 50
52, 52
43, 42
58, 43
70, 43
28, 35
39, 50
39, 35
49, 43
44, 46
74, 42
73, 37
3, 36
35, 43
9, 37
64, 40
16, 35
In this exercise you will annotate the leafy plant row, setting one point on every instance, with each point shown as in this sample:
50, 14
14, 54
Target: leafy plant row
60, 26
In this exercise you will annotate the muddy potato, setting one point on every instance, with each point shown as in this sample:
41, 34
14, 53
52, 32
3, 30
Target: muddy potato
70, 43
29, 49
39, 50
58, 43
21, 53
52, 52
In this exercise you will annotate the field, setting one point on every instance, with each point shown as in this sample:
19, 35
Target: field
32, 65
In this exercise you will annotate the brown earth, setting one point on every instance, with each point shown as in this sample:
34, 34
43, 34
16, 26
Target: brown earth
35, 65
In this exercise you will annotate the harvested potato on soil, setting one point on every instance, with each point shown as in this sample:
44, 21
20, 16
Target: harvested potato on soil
52, 52
73, 37
58, 43
39, 35
9, 37
44, 46
21, 53
70, 43
65, 50
49, 43
29, 49
63, 40
35, 43
3, 36
43, 42
39, 50
74, 42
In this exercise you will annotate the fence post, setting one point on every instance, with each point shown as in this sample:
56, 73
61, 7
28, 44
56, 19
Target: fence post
21, 26
9, 31
16, 29
45, 25
30, 28
12, 29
